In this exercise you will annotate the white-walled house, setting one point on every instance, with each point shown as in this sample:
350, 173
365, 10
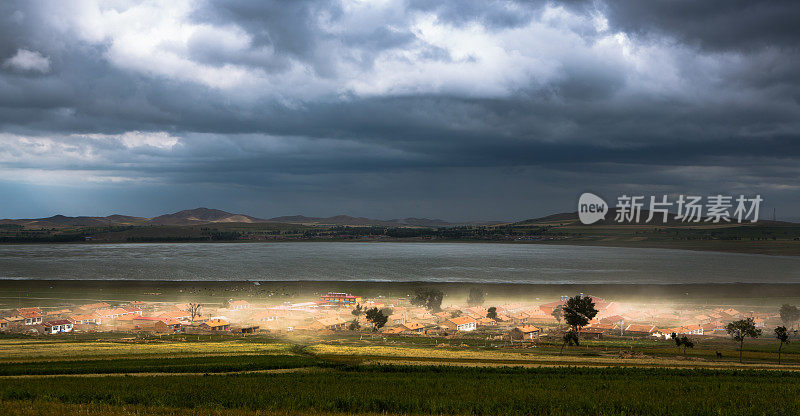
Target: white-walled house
54, 327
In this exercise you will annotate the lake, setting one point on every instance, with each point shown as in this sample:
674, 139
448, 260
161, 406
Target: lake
353, 261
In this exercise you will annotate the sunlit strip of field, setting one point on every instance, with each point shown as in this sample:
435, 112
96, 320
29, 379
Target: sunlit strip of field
16, 351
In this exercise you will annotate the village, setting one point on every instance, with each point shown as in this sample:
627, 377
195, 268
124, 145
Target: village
344, 313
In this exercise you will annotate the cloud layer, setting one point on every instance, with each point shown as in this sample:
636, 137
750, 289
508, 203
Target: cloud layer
462, 109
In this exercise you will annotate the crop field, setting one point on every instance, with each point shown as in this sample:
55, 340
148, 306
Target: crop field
202, 364
12, 350
436, 390
598, 355
259, 376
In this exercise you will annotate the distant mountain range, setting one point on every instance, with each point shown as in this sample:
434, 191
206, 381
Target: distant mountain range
199, 216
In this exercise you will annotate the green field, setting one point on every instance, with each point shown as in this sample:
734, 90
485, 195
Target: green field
436, 390
345, 375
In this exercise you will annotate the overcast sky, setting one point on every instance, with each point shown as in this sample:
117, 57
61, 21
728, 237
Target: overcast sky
460, 110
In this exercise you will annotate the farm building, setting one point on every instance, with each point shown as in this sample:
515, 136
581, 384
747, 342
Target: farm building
238, 305
216, 325
54, 327
413, 327
252, 329
332, 322
32, 317
168, 325
486, 322
85, 319
462, 323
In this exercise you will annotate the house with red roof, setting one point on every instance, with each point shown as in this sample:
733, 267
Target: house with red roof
55, 327
525, 333
461, 323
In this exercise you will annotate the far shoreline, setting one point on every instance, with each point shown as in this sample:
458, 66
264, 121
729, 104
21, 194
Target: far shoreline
756, 247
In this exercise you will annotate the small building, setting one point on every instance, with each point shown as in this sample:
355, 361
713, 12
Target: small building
412, 327
397, 318
168, 325
252, 329
341, 298
604, 327
31, 317
55, 327
216, 325
3, 323
111, 313
519, 318
486, 322
592, 333
637, 329
333, 323
525, 333
23, 311
462, 324
238, 305
15, 320
85, 319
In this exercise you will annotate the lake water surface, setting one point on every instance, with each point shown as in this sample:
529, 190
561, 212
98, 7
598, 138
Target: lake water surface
432, 262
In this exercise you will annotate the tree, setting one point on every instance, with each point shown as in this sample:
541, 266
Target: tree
742, 329
357, 311
476, 297
430, 299
570, 337
683, 341
194, 310
455, 314
377, 318
578, 311
354, 326
491, 313
789, 314
558, 313
783, 336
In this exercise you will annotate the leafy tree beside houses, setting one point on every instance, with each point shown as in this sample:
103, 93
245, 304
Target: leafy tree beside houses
491, 313
578, 311
558, 313
741, 329
430, 299
377, 318
782, 334
682, 341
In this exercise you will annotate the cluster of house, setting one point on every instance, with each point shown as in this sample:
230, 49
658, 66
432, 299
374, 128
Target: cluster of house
710, 323
334, 312
102, 316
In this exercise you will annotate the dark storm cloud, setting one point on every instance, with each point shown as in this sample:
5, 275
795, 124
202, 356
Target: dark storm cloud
306, 96
713, 24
